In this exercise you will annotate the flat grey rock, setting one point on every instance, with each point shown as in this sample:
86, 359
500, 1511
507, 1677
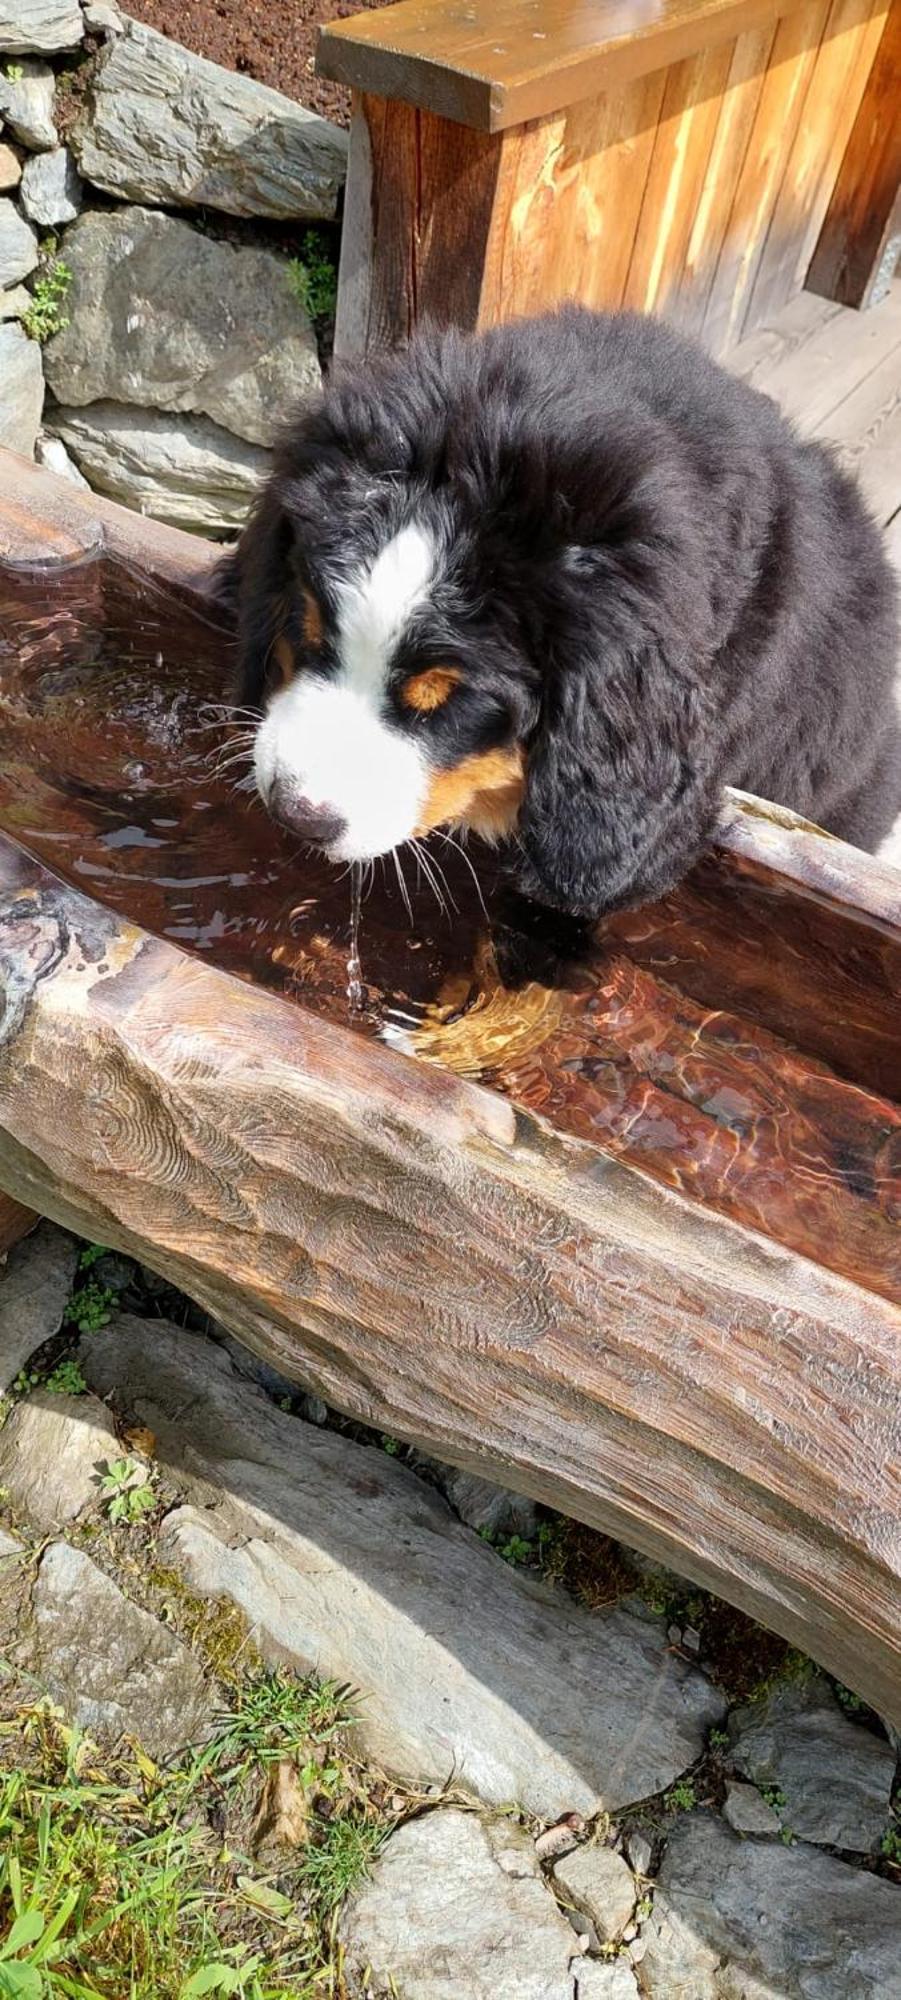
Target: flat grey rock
640, 1852
103, 17
15, 302
26, 104
182, 469
109, 1664
167, 318
18, 244
346, 1563
22, 390
456, 1909
596, 1882
746, 1812
10, 168
51, 192
168, 127
598, 1981
44, 25
834, 1776
489, 1509
37, 1278
52, 453
738, 1920
51, 1451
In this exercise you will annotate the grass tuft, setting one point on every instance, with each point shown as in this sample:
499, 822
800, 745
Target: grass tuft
119, 1877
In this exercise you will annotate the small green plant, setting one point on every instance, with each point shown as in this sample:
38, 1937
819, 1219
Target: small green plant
13, 71
281, 1717
90, 1254
773, 1797
313, 277
391, 1446
643, 1909
681, 1797
45, 316
89, 1307
718, 1739
850, 1702
126, 1488
342, 1858
891, 1846
26, 1380
66, 1379
516, 1549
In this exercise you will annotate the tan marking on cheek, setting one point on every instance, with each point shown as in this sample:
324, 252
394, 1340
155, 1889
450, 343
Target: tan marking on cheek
430, 690
483, 792
312, 620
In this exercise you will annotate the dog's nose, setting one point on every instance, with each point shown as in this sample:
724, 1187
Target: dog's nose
320, 824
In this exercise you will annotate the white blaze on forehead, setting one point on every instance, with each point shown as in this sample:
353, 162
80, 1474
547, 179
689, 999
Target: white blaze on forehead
376, 605
331, 740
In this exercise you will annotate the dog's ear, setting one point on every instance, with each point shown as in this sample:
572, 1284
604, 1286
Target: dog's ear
622, 784
253, 582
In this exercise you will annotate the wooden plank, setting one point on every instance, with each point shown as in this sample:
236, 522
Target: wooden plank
779, 108
568, 223
439, 1266
688, 303
688, 120
860, 239
844, 60
813, 354
866, 431
496, 63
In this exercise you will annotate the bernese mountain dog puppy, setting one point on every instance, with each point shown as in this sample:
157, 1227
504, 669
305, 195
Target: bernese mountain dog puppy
561, 583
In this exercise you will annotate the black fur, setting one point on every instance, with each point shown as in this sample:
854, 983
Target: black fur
648, 580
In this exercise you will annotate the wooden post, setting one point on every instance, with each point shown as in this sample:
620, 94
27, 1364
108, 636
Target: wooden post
419, 223
860, 241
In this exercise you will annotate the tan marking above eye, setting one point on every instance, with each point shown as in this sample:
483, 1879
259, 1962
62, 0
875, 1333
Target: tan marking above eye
311, 622
430, 690
483, 792
284, 660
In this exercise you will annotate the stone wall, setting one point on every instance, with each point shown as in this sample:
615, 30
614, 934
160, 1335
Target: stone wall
154, 322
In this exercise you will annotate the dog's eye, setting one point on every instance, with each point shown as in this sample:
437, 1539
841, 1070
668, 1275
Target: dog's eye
429, 690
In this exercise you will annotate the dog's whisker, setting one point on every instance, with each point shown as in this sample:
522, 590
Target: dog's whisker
402, 884
430, 877
458, 849
435, 865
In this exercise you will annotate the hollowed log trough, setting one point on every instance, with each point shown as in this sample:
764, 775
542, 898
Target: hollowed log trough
648, 1271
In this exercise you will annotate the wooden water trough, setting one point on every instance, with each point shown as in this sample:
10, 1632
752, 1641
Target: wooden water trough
648, 1269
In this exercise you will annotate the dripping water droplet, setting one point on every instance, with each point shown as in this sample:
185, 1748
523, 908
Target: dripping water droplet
356, 991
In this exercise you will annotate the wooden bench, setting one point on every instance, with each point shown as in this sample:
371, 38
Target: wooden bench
702, 159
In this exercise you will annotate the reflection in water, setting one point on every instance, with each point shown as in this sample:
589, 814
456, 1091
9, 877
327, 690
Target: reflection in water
736, 1041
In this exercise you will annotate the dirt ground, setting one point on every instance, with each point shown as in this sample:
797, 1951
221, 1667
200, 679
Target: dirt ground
271, 40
